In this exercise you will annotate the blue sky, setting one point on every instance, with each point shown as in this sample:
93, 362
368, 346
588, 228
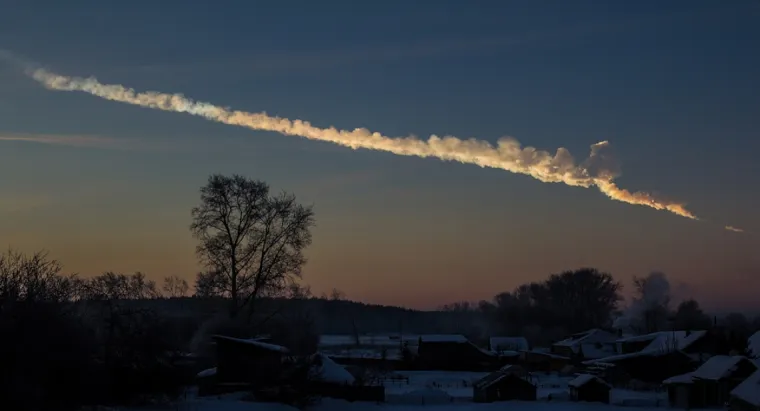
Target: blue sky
671, 84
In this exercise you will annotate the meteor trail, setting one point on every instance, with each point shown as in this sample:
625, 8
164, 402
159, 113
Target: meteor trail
507, 154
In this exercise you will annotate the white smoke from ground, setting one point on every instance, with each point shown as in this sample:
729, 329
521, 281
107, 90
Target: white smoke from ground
598, 170
652, 291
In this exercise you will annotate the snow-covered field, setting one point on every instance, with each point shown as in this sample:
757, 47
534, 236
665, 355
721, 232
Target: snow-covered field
442, 391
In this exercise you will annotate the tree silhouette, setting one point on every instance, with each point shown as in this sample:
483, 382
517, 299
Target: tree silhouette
250, 241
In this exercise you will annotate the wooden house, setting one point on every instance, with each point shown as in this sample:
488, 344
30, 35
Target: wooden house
709, 385
509, 383
247, 361
746, 396
587, 387
657, 356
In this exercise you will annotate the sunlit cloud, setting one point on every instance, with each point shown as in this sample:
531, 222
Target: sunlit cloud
598, 170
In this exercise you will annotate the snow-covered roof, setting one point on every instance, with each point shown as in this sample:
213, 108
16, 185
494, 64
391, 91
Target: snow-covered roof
749, 390
592, 336
663, 342
207, 373
330, 371
714, 369
584, 379
667, 339
255, 342
509, 343
687, 378
719, 366
753, 345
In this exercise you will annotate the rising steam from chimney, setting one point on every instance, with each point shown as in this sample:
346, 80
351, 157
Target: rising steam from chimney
597, 171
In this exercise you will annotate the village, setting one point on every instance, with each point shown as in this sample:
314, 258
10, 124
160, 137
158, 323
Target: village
681, 369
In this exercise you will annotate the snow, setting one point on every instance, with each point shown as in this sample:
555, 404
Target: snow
207, 373
330, 371
255, 342
661, 343
753, 344
584, 379
509, 344
749, 390
434, 402
717, 367
424, 396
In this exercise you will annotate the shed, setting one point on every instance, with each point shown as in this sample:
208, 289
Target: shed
587, 387
746, 396
709, 385
504, 386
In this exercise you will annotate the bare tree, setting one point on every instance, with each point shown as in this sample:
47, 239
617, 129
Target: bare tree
115, 286
175, 287
251, 242
337, 295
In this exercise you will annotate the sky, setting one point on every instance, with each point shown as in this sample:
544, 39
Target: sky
671, 85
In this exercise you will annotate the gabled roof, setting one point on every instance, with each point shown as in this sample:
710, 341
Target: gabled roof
749, 390
753, 345
328, 370
254, 342
584, 379
497, 376
714, 369
661, 343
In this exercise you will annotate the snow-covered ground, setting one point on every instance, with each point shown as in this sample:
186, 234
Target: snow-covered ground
234, 404
442, 391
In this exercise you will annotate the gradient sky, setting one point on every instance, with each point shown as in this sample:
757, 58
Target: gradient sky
673, 85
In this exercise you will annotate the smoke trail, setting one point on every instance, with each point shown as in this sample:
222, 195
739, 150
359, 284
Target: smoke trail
506, 155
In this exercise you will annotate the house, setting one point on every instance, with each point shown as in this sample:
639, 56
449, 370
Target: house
247, 360
587, 387
711, 384
453, 353
746, 396
509, 383
588, 345
699, 345
508, 344
657, 356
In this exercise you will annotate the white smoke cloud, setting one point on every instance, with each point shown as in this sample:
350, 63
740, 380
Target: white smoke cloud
597, 171
653, 291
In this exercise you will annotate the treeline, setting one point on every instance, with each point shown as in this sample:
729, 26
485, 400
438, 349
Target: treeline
578, 300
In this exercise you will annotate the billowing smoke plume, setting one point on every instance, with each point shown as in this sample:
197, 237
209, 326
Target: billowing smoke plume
506, 155
651, 303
